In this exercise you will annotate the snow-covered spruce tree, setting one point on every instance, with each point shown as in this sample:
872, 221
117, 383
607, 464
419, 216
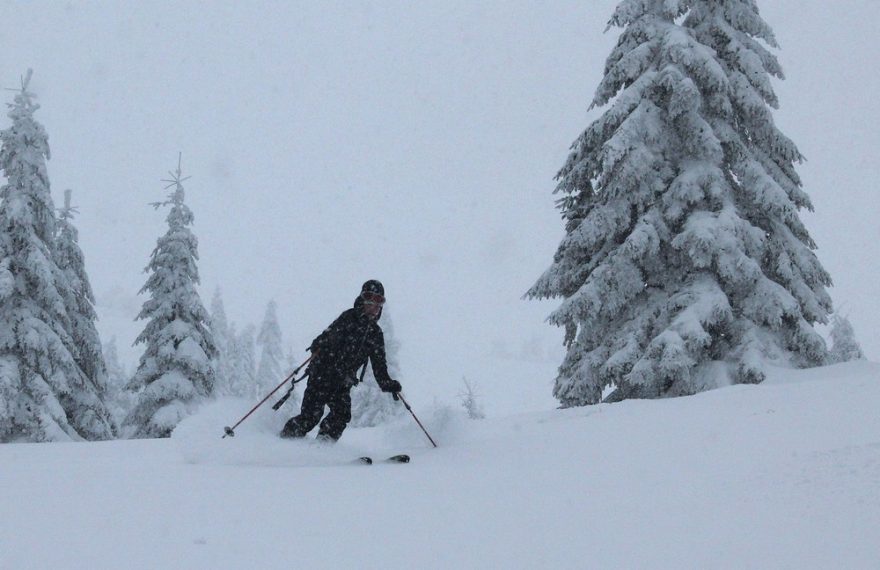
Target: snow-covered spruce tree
176, 370
223, 339
269, 371
80, 300
119, 400
684, 257
370, 406
844, 346
243, 383
44, 394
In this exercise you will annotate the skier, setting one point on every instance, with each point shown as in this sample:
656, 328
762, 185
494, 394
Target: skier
337, 354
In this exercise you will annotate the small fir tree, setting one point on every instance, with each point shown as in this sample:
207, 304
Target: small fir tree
269, 371
470, 401
844, 346
683, 245
244, 364
119, 400
223, 339
45, 395
80, 300
176, 369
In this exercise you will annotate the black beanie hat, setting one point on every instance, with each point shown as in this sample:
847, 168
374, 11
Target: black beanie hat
373, 286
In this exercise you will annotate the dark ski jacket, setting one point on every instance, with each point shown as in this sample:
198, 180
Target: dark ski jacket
344, 346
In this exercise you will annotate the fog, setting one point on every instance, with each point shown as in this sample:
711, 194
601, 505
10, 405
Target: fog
415, 143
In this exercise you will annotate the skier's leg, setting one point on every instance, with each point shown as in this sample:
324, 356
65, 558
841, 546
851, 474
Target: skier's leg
310, 412
339, 416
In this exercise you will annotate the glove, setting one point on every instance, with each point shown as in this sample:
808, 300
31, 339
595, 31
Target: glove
393, 387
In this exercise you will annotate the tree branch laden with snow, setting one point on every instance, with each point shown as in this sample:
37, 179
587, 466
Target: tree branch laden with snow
51, 386
683, 245
177, 368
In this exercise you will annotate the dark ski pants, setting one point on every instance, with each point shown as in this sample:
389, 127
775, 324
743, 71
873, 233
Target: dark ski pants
318, 394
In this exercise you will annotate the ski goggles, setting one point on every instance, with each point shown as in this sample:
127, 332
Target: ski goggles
372, 298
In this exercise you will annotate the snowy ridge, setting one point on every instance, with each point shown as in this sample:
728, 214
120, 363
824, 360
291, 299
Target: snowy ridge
778, 475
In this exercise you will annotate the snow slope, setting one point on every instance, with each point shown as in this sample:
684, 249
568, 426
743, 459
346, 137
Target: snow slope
781, 475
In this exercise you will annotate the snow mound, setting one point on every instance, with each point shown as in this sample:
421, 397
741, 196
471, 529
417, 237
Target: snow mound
200, 436
834, 372
200, 439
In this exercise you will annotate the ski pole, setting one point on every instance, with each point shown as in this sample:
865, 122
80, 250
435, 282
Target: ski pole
230, 431
399, 395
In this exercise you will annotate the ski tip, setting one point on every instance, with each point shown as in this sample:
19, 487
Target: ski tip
402, 458
364, 460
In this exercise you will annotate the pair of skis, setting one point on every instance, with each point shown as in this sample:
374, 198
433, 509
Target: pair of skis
367, 460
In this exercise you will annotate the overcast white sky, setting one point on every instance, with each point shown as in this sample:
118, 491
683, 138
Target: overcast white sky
415, 143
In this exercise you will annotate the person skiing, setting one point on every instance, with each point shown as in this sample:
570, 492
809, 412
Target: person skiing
337, 354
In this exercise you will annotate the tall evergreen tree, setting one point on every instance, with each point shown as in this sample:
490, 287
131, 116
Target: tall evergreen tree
176, 370
80, 300
269, 371
243, 383
370, 406
223, 339
119, 400
684, 247
44, 393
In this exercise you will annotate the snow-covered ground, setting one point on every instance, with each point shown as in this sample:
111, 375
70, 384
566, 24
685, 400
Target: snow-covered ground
781, 475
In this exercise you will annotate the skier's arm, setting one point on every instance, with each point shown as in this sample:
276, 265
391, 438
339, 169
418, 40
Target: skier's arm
380, 367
